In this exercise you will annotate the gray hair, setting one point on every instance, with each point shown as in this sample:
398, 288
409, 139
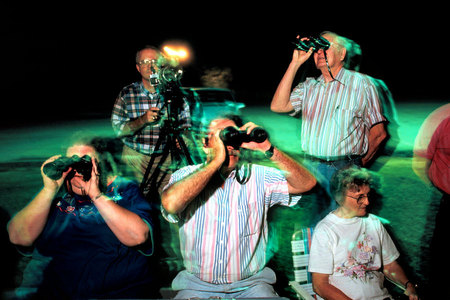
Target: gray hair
352, 178
353, 54
148, 47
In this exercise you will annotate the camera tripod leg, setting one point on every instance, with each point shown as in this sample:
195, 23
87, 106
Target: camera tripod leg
179, 154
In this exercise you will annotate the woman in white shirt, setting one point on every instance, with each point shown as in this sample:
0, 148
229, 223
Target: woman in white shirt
351, 251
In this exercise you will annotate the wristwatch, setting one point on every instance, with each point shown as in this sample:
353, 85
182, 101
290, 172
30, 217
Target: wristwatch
269, 153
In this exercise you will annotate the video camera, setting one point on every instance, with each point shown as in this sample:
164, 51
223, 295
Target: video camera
316, 43
234, 137
166, 73
82, 165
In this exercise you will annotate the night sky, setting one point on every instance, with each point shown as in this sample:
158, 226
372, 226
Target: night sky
61, 61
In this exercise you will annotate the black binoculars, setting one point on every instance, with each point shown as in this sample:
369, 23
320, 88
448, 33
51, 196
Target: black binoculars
234, 137
82, 165
316, 43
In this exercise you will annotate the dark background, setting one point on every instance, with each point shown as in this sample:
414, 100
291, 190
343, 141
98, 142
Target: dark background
72, 60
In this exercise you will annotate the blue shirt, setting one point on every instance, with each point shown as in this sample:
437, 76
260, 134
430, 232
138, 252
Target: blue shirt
82, 258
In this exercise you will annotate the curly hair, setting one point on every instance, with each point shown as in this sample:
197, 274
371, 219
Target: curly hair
351, 179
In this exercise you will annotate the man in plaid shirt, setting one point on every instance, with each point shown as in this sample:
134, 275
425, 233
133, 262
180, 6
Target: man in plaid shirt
138, 115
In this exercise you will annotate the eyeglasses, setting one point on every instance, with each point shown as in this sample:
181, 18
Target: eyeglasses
146, 62
360, 198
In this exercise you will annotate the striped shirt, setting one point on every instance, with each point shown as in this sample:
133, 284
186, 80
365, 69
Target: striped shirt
134, 101
337, 116
224, 231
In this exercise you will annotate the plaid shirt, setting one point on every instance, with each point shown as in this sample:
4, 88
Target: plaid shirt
134, 101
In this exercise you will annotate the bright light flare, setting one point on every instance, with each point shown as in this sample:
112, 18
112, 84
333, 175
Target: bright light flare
178, 53
177, 50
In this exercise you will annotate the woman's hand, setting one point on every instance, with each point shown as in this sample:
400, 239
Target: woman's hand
50, 184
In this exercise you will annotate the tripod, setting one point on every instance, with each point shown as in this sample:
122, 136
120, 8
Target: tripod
175, 147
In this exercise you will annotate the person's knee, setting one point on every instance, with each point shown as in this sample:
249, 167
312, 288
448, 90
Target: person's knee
260, 290
191, 294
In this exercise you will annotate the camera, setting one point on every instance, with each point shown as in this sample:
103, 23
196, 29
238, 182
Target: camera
166, 75
316, 43
82, 165
234, 137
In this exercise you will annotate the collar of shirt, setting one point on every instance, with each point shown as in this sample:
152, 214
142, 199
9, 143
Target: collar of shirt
152, 96
341, 77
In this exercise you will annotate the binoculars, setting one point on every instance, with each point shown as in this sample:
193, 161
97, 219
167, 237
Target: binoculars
82, 165
316, 43
234, 137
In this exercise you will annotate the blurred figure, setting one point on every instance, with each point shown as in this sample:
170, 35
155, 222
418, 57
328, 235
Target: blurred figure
221, 206
342, 121
94, 240
351, 251
353, 61
217, 77
138, 116
431, 162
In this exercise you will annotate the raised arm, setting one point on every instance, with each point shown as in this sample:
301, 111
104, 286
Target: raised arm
177, 197
299, 179
26, 226
280, 101
129, 228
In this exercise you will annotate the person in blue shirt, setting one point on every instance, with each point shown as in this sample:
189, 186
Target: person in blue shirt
94, 240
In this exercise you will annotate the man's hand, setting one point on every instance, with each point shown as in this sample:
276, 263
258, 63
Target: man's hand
299, 56
263, 147
215, 148
152, 115
280, 101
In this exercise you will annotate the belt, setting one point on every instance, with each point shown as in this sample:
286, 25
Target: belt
329, 160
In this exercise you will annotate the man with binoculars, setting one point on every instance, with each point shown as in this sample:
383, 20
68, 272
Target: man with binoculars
342, 122
221, 208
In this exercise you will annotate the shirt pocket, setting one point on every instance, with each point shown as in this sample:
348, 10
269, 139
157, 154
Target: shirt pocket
250, 222
346, 120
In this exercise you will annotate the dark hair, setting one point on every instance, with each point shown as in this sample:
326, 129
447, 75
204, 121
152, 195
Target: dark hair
237, 119
352, 178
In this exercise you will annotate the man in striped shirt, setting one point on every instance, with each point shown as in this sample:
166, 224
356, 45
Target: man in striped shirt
221, 208
342, 122
138, 116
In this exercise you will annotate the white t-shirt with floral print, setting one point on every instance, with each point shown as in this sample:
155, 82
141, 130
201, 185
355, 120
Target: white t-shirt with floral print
353, 251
